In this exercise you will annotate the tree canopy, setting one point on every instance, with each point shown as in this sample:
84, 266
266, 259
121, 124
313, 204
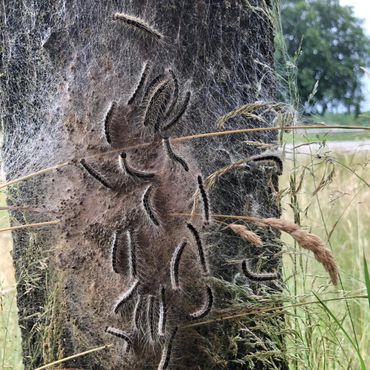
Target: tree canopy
332, 47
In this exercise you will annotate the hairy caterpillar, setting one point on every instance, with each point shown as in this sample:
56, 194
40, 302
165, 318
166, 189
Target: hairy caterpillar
139, 24
136, 313
120, 334
205, 201
114, 253
162, 311
126, 296
131, 171
179, 113
132, 254
147, 205
263, 276
95, 174
142, 80
205, 310
271, 157
175, 264
167, 349
173, 156
107, 121
198, 241
150, 317
175, 94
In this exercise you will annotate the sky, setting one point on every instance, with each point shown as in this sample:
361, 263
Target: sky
361, 9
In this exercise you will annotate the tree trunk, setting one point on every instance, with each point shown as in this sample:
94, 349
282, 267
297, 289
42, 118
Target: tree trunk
71, 82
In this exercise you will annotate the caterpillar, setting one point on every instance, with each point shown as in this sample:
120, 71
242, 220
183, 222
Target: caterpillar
120, 334
139, 24
150, 317
175, 94
147, 205
172, 155
131, 171
167, 350
264, 276
162, 311
198, 241
126, 296
142, 80
95, 174
205, 201
136, 313
271, 157
175, 264
132, 254
179, 113
107, 121
205, 310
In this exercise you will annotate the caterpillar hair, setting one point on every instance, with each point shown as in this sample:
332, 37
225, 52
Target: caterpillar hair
131, 171
198, 241
207, 306
172, 155
132, 254
142, 80
114, 253
92, 172
136, 313
126, 296
179, 113
166, 352
205, 200
120, 334
147, 206
263, 276
153, 86
271, 157
175, 94
138, 24
107, 121
157, 103
175, 264
150, 317
162, 311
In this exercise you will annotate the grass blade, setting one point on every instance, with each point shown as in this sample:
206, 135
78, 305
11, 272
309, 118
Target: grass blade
330, 313
367, 279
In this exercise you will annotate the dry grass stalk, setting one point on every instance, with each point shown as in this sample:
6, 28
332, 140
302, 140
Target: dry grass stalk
246, 234
308, 241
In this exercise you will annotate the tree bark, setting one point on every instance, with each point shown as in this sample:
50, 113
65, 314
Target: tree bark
64, 64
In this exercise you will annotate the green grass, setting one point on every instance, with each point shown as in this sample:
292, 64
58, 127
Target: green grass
343, 119
333, 203
306, 136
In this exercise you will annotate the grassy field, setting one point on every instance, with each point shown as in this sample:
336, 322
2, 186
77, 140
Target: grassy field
329, 194
10, 351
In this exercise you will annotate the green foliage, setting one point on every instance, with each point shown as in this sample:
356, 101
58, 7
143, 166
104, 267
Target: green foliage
330, 47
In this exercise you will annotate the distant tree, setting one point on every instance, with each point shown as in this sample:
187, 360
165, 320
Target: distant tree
332, 47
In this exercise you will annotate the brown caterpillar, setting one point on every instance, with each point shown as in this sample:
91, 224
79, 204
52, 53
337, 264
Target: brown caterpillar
179, 113
175, 264
175, 94
206, 309
205, 201
107, 121
136, 313
120, 334
271, 157
142, 80
254, 276
150, 317
126, 296
131, 171
114, 253
138, 24
166, 352
95, 174
132, 254
198, 241
173, 156
162, 311
148, 207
